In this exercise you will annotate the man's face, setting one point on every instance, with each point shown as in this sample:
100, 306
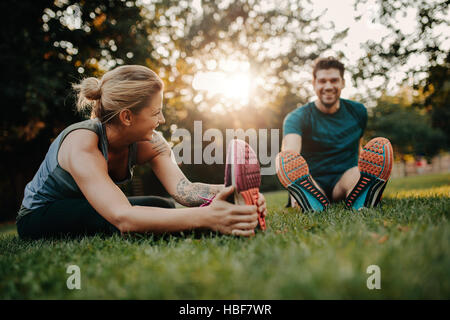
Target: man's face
328, 85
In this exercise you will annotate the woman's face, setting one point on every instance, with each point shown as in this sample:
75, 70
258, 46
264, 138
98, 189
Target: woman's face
149, 118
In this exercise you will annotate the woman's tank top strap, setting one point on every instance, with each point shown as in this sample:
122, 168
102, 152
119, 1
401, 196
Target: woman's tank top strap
94, 125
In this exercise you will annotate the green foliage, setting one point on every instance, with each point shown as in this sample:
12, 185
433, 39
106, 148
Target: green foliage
400, 48
277, 40
408, 129
399, 45
300, 256
46, 46
438, 101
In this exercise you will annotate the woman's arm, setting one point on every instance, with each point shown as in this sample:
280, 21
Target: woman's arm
220, 216
79, 155
194, 194
158, 153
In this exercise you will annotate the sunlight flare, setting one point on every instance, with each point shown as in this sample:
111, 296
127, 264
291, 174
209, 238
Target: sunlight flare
233, 86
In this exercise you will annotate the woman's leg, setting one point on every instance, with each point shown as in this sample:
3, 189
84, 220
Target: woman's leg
152, 201
75, 217
64, 218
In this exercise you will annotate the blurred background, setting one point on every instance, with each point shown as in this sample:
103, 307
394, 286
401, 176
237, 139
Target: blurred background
231, 64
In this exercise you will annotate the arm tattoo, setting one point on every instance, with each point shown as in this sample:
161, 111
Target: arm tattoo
159, 145
190, 194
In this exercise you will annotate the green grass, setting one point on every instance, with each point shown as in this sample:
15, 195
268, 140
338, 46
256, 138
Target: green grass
300, 256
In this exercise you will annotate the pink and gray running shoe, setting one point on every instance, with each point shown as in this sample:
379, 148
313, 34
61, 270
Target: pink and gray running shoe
242, 170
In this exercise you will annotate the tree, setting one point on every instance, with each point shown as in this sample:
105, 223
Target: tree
46, 46
408, 128
274, 42
438, 99
401, 51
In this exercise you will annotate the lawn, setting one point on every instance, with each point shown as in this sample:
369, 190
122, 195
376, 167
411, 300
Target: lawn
300, 256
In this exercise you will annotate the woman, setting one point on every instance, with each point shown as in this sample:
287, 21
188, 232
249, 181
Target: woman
75, 190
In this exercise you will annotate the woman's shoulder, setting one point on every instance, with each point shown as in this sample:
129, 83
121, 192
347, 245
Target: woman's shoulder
88, 129
89, 124
82, 137
77, 142
79, 136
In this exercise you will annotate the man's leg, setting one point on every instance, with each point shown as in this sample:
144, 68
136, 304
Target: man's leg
346, 184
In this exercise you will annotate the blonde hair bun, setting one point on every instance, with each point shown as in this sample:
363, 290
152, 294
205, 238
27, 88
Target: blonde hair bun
125, 87
91, 88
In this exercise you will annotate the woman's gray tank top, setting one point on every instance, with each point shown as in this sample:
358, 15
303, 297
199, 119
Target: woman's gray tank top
52, 183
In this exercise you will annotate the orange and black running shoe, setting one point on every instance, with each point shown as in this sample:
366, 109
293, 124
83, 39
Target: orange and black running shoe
293, 173
375, 165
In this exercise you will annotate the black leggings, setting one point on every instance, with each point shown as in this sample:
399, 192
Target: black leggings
75, 217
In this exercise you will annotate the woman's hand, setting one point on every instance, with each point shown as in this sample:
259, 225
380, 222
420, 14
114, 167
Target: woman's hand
262, 205
227, 218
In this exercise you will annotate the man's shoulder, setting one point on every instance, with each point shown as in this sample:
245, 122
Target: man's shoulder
353, 104
295, 120
358, 110
299, 111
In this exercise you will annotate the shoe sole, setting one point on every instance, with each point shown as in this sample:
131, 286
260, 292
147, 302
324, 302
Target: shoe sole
242, 170
375, 166
293, 173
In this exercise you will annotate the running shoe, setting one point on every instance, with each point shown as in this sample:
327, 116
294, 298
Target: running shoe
293, 173
242, 170
375, 165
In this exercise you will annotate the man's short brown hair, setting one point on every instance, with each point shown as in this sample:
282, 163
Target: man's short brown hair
328, 63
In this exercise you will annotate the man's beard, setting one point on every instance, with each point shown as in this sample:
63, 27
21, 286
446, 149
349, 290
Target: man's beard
328, 105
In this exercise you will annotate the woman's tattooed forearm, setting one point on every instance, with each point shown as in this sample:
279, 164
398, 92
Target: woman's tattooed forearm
194, 194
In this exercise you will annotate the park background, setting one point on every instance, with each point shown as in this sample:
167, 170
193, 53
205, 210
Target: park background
230, 64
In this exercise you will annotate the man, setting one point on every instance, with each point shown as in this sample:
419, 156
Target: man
319, 161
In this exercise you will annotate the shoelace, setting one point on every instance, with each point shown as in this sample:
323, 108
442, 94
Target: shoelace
207, 201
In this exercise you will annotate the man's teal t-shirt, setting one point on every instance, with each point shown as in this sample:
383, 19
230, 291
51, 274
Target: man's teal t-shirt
330, 142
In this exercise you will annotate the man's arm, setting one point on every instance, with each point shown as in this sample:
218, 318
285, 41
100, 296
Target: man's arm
293, 142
